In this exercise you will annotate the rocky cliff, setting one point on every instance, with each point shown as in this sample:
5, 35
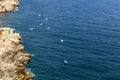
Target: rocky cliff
8, 5
13, 58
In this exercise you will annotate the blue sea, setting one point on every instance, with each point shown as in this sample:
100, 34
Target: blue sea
86, 33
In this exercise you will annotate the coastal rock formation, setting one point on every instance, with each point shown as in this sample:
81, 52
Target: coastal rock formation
13, 58
8, 5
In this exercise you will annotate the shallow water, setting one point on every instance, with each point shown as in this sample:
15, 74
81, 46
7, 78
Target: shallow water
90, 32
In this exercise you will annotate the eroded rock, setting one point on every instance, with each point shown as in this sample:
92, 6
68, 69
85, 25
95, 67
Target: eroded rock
13, 58
8, 5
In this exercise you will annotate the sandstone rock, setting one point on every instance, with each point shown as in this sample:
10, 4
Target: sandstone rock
13, 58
8, 5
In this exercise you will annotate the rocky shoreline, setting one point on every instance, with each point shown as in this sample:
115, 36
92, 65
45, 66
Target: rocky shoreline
8, 5
13, 58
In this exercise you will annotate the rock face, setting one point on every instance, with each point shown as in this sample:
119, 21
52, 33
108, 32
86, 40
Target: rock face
8, 5
13, 58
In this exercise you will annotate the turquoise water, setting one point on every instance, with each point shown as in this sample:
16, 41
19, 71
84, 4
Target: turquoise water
90, 30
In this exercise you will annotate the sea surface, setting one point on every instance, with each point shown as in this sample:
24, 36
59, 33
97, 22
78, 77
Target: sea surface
86, 33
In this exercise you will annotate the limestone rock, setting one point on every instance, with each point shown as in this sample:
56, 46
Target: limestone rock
8, 5
13, 58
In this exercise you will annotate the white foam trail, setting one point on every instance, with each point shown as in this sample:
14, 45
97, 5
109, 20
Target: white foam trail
31, 29
39, 15
32, 55
46, 19
61, 40
17, 8
48, 27
28, 71
41, 24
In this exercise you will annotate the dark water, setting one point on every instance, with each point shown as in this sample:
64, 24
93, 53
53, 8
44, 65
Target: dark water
90, 30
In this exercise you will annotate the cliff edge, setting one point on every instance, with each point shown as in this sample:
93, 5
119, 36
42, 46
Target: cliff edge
13, 58
8, 5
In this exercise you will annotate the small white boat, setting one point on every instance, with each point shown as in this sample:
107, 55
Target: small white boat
65, 62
